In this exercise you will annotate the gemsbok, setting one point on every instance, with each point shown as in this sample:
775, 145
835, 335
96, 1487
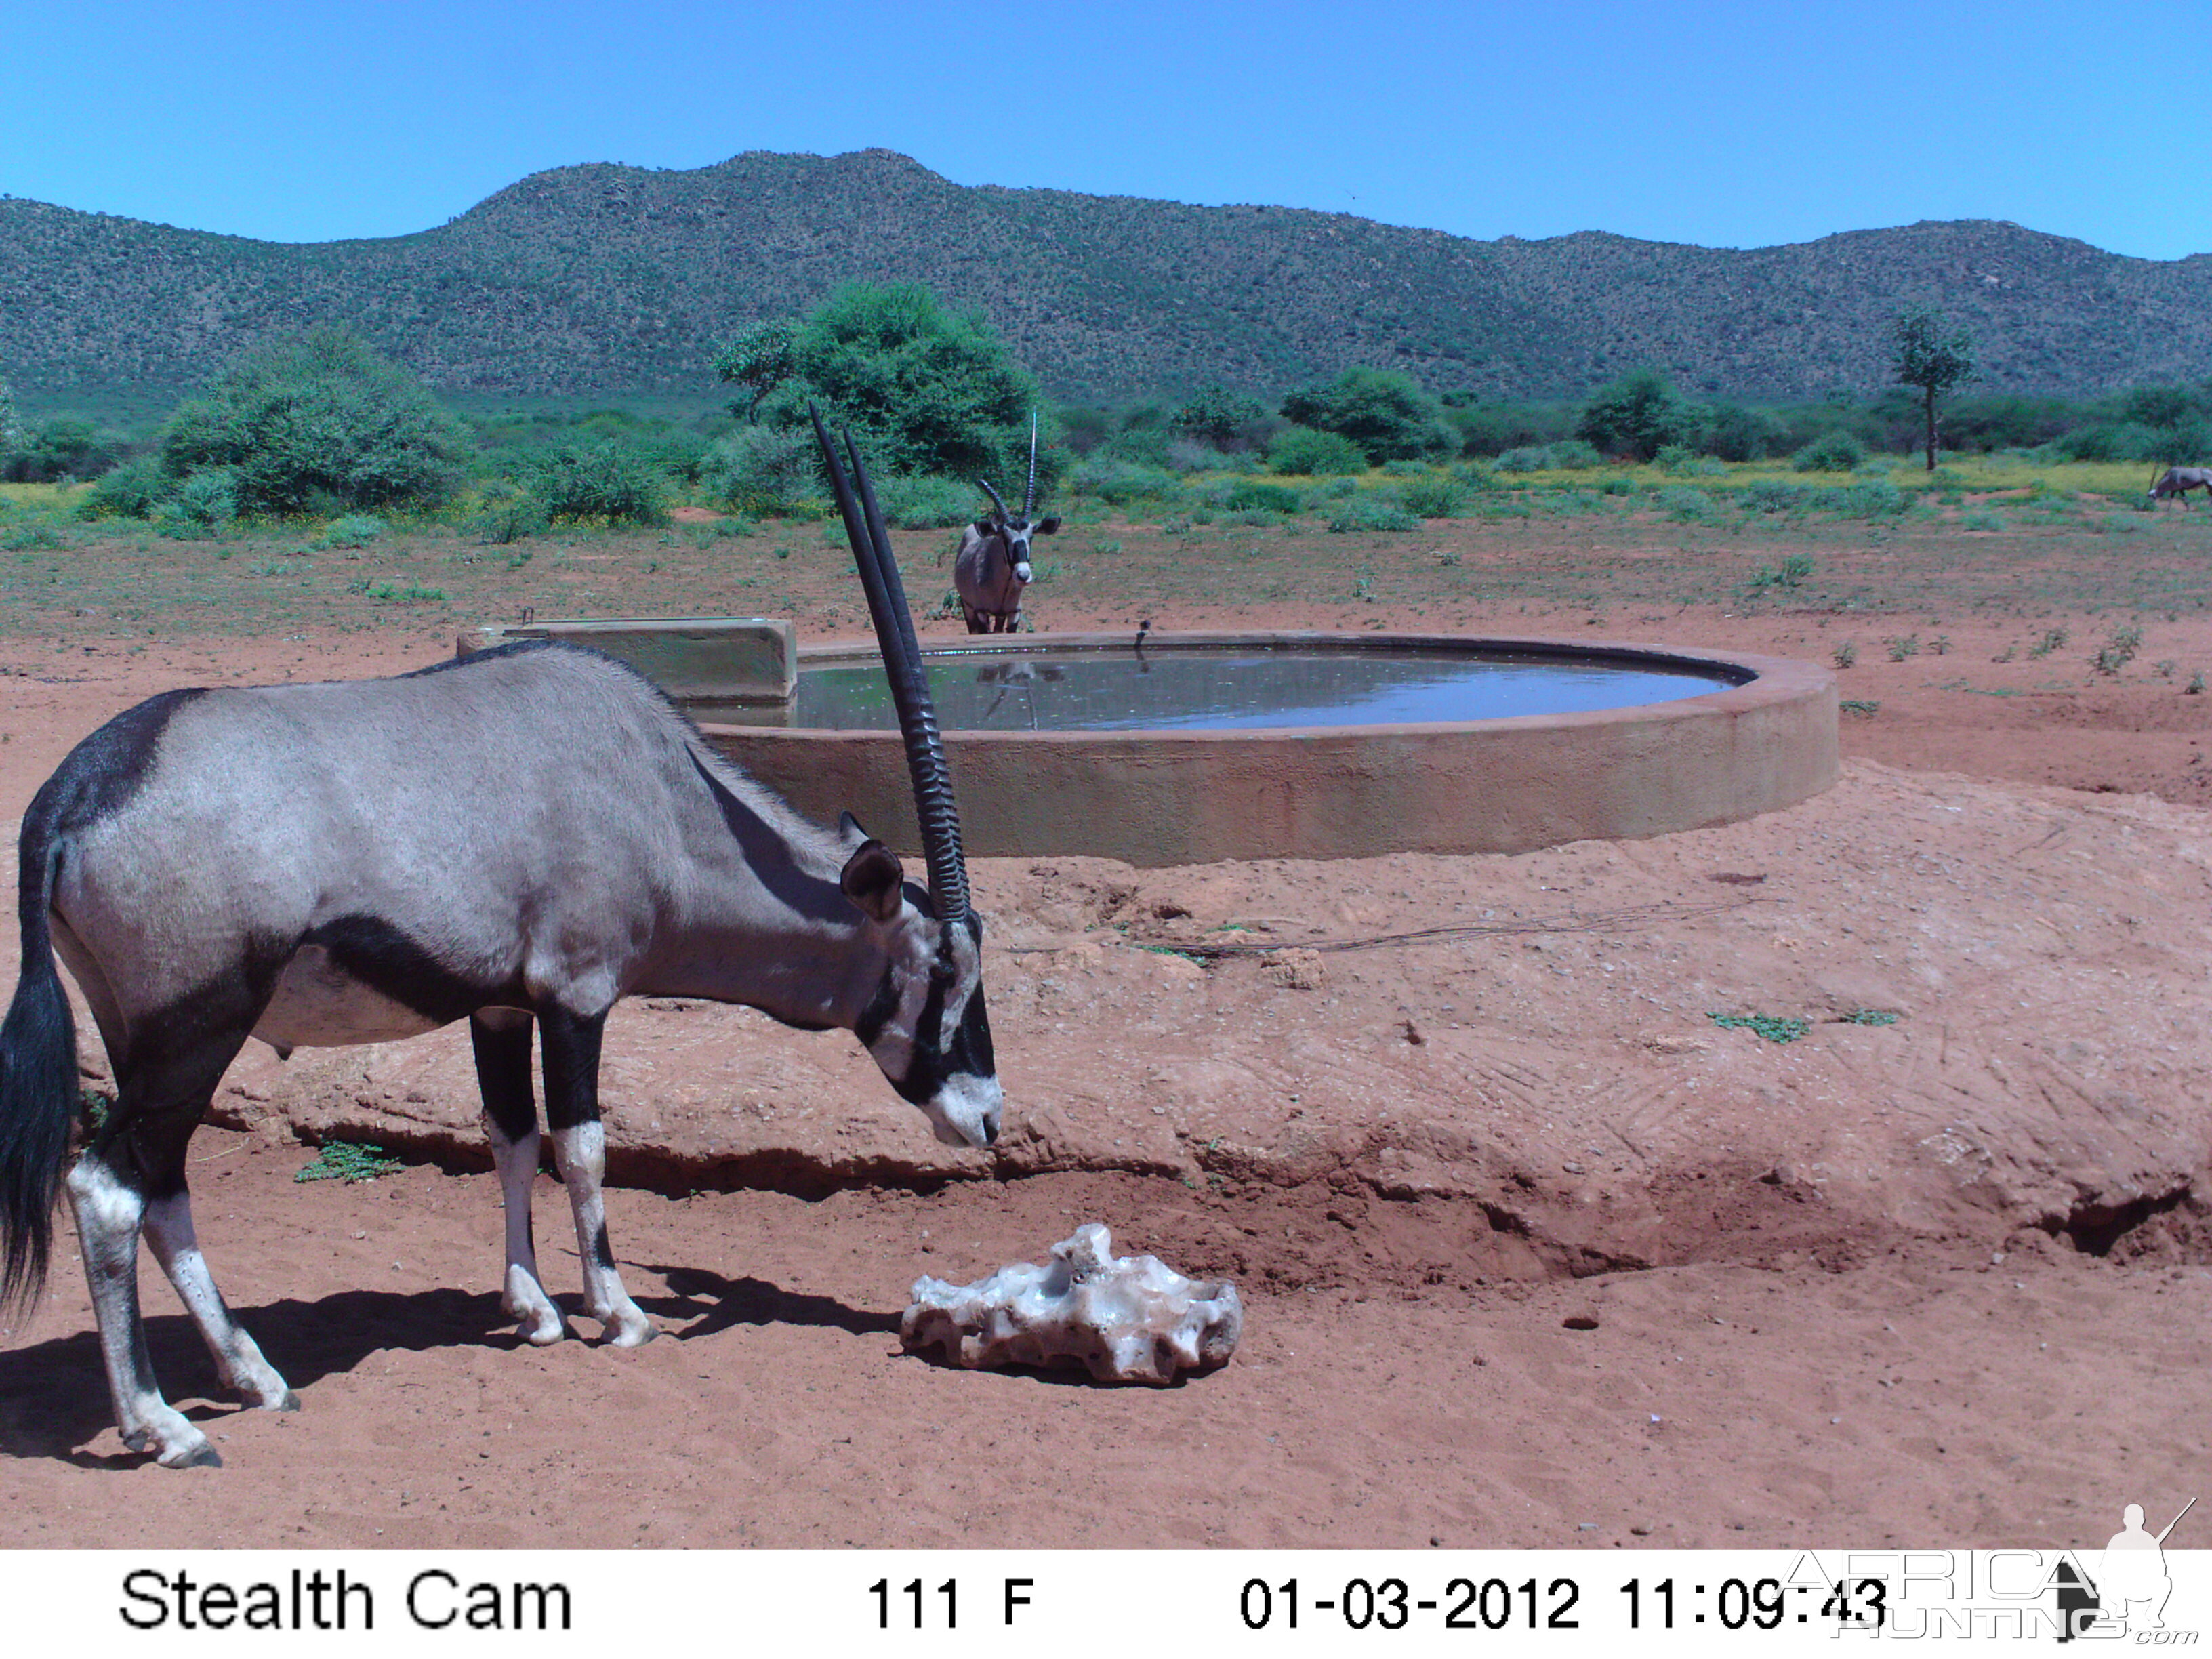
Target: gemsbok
2177, 481
519, 839
993, 568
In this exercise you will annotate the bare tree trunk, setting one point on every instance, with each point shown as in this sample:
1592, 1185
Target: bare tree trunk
1931, 428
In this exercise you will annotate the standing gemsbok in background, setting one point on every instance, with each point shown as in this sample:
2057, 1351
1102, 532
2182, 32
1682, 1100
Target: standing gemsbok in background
993, 566
519, 839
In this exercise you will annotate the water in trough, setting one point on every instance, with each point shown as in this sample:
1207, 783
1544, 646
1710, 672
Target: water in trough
1237, 687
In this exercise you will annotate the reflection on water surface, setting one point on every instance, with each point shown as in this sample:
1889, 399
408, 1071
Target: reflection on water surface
1171, 689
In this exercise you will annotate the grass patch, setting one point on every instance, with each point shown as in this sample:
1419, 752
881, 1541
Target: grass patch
349, 1161
1775, 1028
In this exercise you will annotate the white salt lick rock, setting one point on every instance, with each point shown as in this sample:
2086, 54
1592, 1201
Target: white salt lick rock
1129, 1319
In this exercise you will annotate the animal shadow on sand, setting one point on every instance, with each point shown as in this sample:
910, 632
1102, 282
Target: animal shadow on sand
712, 1303
53, 1395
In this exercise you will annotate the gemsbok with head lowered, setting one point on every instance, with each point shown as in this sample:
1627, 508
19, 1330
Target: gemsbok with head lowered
2177, 481
519, 839
993, 569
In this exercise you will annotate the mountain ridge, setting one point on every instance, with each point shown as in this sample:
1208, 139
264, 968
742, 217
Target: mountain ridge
604, 279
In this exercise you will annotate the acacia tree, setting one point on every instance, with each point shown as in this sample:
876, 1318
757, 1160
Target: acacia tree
929, 390
1636, 414
758, 360
1932, 354
1389, 414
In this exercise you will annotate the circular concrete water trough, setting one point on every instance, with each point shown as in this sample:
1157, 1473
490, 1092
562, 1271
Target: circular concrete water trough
1760, 734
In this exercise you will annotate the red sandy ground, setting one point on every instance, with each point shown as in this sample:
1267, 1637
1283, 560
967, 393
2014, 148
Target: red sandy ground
1937, 1281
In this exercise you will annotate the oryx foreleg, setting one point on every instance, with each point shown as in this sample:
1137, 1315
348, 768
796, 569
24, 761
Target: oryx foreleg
571, 1044
502, 1039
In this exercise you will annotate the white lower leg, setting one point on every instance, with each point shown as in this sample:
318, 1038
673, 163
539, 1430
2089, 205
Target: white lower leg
176, 1247
523, 1294
108, 1214
582, 1153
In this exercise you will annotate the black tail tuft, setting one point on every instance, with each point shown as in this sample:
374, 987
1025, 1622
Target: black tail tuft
38, 1088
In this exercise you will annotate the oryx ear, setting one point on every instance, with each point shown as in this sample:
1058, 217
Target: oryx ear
984, 526
849, 828
872, 880
1046, 527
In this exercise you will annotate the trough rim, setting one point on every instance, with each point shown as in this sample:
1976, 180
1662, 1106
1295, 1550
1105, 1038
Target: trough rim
1767, 681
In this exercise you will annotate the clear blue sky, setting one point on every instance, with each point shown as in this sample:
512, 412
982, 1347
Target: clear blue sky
1726, 125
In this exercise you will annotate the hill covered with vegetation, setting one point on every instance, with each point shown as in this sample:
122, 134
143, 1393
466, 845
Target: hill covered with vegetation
621, 280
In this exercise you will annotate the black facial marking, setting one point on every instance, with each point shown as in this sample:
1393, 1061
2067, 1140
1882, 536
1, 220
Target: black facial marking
881, 1007
970, 1053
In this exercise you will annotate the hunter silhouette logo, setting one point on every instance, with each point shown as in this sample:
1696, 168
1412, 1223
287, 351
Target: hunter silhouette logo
2131, 1585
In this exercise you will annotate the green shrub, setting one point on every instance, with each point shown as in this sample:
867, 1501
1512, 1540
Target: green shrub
2113, 440
1305, 451
1536, 457
1148, 444
1734, 432
204, 502
1432, 498
608, 481
1118, 483
1684, 505
506, 515
1638, 415
1790, 574
929, 503
66, 447
1188, 455
319, 422
1217, 416
354, 530
1372, 510
347, 1161
135, 489
1833, 452
1388, 415
40, 535
1983, 519
928, 392
1248, 496
1869, 498
764, 470
1575, 455
1773, 496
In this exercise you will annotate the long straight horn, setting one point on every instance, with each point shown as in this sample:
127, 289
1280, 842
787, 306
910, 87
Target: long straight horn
1029, 501
985, 485
910, 683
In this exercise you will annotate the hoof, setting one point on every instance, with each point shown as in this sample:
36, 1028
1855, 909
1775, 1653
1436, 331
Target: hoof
628, 1330
541, 1332
201, 1456
290, 1402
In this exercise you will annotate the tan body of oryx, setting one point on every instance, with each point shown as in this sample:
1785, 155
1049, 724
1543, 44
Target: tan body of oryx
518, 840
